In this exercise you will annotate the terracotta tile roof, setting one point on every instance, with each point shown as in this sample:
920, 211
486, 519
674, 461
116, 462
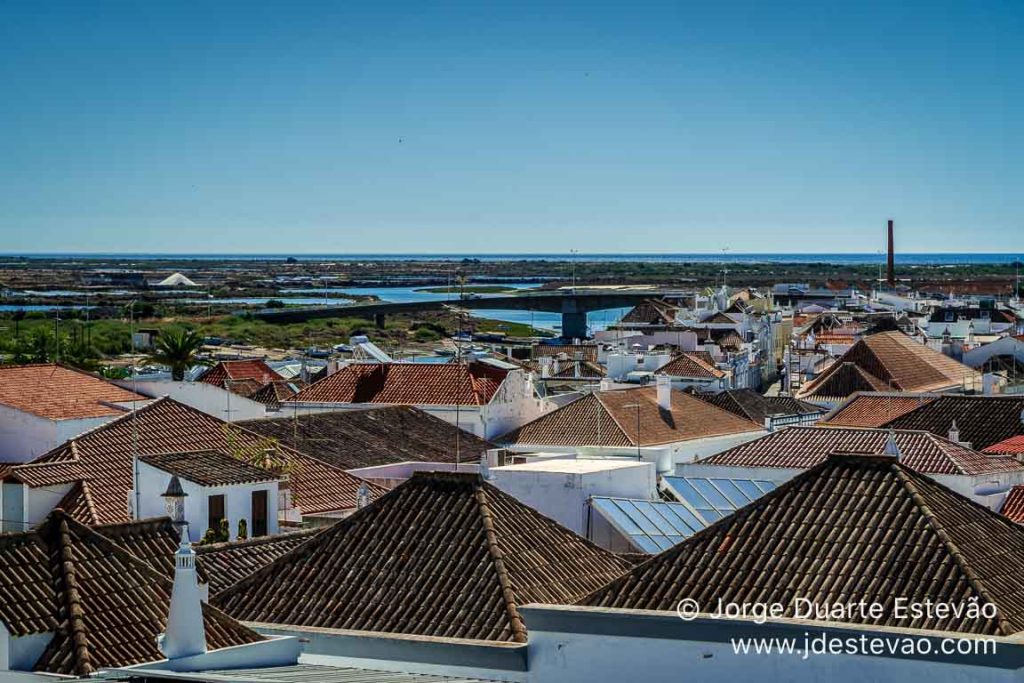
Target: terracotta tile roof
751, 405
806, 447
104, 606
651, 312
351, 439
874, 409
1012, 446
407, 384
102, 458
236, 374
61, 393
208, 468
443, 555
1013, 506
889, 361
690, 365
982, 420
273, 393
854, 528
609, 418
587, 351
153, 541
225, 564
570, 369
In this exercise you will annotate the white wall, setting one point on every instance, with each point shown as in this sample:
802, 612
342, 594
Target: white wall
579, 653
563, 497
13, 507
237, 501
204, 397
24, 436
40, 501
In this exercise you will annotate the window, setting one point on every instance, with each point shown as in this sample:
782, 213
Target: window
215, 511
259, 513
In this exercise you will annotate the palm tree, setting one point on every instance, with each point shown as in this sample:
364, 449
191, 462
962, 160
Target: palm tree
177, 349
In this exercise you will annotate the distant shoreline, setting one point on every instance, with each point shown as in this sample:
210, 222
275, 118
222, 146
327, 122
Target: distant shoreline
903, 259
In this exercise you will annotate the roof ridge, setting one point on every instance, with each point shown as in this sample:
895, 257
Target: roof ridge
497, 556
611, 416
76, 628
954, 550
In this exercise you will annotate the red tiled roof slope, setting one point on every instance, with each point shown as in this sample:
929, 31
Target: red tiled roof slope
609, 418
378, 435
854, 528
102, 458
61, 393
806, 447
874, 410
228, 563
691, 366
981, 420
1013, 506
889, 361
407, 384
443, 555
104, 606
1012, 446
225, 373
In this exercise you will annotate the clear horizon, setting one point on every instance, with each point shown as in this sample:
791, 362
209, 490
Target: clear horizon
335, 128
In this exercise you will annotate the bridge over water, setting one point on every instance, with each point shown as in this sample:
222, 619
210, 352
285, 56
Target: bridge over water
573, 306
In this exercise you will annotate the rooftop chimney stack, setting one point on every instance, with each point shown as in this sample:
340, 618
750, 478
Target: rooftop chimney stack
954, 433
664, 384
185, 635
891, 264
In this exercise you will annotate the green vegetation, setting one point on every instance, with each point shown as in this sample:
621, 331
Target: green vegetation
87, 344
177, 349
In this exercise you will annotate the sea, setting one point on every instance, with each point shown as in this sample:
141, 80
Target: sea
904, 259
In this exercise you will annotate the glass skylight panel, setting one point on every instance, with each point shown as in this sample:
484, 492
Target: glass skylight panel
686, 517
732, 492
651, 526
608, 507
713, 495
689, 494
766, 486
749, 488
660, 522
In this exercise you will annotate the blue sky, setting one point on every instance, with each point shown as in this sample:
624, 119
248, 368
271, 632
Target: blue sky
520, 127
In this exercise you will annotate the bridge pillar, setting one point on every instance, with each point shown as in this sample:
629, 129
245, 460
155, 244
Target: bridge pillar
379, 319
574, 319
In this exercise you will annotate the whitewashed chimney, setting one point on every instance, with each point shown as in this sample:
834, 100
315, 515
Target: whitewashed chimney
664, 385
606, 384
545, 367
185, 635
954, 433
890, 446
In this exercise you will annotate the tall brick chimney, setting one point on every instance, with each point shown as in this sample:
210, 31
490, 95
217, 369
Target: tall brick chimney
891, 270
